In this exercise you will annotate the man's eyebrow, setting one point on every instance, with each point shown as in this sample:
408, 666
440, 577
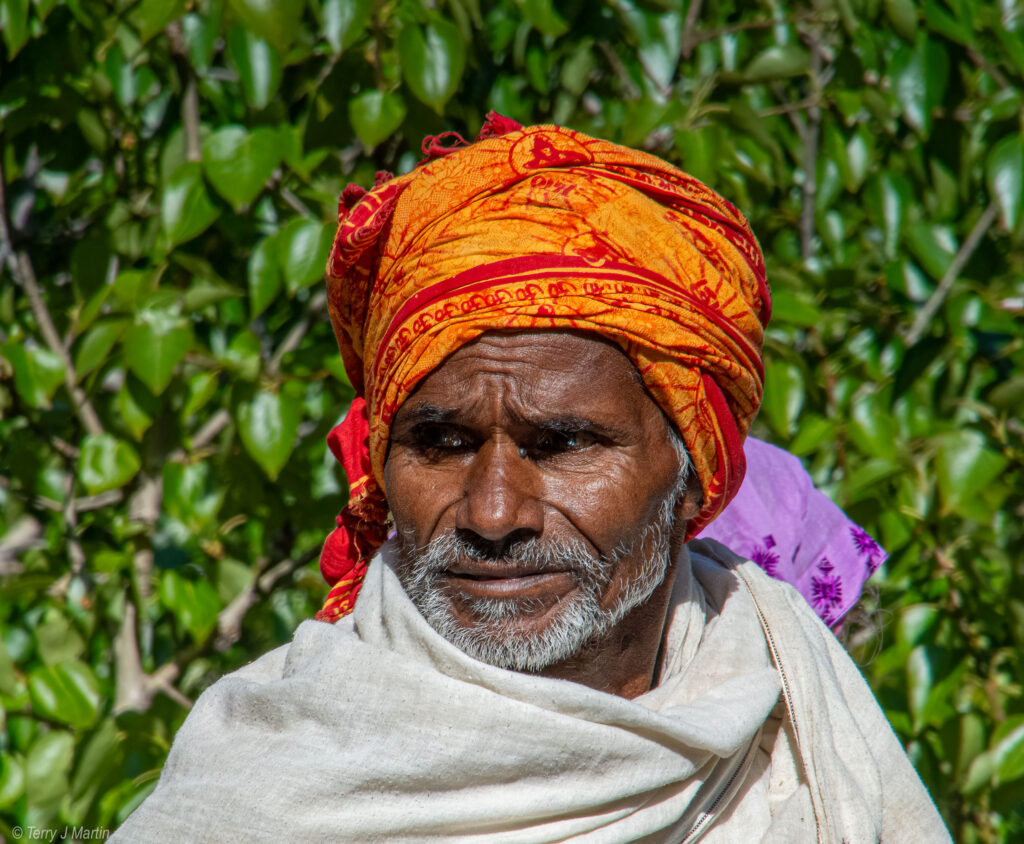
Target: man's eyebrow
569, 423
426, 413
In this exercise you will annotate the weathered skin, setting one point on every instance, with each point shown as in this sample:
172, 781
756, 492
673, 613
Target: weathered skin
545, 434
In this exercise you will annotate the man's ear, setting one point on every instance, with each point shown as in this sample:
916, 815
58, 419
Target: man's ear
691, 501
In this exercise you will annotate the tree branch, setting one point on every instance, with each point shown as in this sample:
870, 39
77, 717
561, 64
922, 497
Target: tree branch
297, 204
689, 41
134, 688
702, 35
956, 266
229, 621
298, 331
189, 93
20, 266
630, 91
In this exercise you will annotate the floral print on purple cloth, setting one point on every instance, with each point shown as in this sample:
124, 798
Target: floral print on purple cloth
796, 534
867, 548
765, 557
827, 591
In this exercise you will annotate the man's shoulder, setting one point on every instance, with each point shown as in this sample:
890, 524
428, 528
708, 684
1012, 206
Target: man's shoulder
714, 564
263, 669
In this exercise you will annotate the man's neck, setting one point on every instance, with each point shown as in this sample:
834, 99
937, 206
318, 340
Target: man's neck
625, 660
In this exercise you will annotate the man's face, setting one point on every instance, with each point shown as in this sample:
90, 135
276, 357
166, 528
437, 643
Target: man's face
535, 489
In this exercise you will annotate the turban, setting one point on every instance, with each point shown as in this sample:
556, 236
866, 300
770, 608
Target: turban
541, 228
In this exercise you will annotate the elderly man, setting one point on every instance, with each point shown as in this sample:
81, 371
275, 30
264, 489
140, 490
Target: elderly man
556, 346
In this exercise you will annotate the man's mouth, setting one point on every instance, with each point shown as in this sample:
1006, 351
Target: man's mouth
509, 581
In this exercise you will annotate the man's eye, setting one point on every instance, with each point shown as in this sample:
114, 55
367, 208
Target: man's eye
440, 438
559, 442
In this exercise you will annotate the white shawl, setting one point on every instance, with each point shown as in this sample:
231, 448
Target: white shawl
378, 729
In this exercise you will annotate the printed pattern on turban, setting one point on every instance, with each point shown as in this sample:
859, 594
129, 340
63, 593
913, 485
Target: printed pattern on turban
541, 228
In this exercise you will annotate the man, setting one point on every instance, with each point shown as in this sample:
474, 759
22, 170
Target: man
556, 344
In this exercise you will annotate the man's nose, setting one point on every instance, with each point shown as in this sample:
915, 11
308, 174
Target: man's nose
501, 493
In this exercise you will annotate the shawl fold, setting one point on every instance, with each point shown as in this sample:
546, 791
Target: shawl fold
378, 729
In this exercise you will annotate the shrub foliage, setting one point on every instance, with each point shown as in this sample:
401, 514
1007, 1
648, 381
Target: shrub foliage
170, 174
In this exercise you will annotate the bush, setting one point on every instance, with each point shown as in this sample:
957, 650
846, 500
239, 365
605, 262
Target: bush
167, 377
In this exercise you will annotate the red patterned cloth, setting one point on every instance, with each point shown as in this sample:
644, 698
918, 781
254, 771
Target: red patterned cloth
542, 227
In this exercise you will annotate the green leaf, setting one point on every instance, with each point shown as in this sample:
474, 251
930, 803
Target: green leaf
290, 142
132, 285
38, 372
136, 406
375, 115
542, 14
778, 62
964, 466
150, 17
185, 208
14, 25
1008, 394
916, 625
12, 779
56, 639
932, 679
68, 692
233, 577
194, 603
891, 194
794, 309
268, 424
343, 21
238, 163
242, 355
859, 151
10, 682
902, 15
200, 33
258, 65
203, 292
201, 388
47, 766
814, 432
274, 20
1005, 172
106, 463
187, 495
96, 344
934, 246
100, 760
783, 396
264, 276
1009, 751
918, 76
864, 480
303, 247
121, 75
155, 343
433, 58
872, 427
90, 258
658, 36
578, 68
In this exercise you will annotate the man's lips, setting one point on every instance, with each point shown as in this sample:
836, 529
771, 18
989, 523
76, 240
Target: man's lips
509, 581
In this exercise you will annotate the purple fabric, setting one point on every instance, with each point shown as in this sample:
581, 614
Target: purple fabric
795, 533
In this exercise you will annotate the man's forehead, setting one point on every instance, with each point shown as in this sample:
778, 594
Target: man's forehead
560, 373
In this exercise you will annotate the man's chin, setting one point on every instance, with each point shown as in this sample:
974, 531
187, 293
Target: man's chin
518, 634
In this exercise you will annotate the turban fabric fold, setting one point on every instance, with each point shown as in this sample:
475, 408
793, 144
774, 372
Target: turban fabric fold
530, 229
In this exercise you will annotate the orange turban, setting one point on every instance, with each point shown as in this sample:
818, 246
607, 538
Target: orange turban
541, 228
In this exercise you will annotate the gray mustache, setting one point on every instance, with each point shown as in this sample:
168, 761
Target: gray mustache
461, 546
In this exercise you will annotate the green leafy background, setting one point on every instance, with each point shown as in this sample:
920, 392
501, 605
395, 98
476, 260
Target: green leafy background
171, 171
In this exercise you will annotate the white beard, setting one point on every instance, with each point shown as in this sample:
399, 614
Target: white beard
500, 633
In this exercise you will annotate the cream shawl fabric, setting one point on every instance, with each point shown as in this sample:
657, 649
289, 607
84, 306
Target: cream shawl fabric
377, 729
